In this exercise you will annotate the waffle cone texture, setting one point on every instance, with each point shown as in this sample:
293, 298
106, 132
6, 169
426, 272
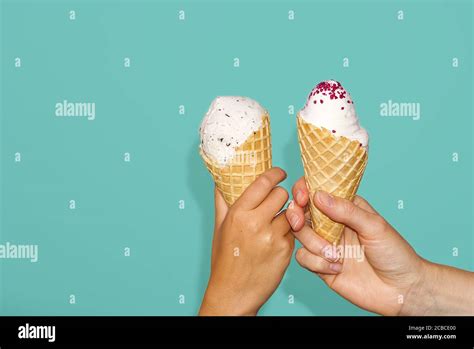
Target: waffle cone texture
331, 163
250, 160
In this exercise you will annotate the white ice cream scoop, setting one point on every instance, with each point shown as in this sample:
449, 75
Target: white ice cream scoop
227, 124
330, 106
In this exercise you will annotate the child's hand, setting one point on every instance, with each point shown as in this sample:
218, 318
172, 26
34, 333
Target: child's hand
251, 250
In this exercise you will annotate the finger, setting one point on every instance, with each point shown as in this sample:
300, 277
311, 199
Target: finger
315, 263
316, 244
260, 188
280, 224
220, 212
346, 212
220, 208
300, 192
362, 203
295, 215
273, 203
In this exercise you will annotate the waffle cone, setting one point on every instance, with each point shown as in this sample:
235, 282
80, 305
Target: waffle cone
251, 159
333, 164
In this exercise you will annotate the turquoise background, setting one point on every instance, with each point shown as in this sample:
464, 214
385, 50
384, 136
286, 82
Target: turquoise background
188, 63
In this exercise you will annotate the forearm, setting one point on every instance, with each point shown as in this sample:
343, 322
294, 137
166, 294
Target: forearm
219, 302
442, 290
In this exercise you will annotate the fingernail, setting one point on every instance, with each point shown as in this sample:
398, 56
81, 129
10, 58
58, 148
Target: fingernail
291, 205
328, 252
337, 267
325, 198
299, 196
294, 219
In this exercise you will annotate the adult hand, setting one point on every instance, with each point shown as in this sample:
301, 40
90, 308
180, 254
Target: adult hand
391, 279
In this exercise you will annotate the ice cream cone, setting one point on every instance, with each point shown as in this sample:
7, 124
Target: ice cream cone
250, 160
331, 163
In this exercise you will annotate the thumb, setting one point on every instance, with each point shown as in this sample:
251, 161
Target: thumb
366, 224
220, 208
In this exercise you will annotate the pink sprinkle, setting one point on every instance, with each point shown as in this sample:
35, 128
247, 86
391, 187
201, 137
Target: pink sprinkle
360, 144
321, 101
315, 101
333, 131
349, 102
342, 108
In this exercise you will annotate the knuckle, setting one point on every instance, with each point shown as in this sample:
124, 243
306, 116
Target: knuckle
361, 200
379, 223
251, 224
245, 222
349, 208
357, 200
266, 240
236, 218
313, 245
264, 181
